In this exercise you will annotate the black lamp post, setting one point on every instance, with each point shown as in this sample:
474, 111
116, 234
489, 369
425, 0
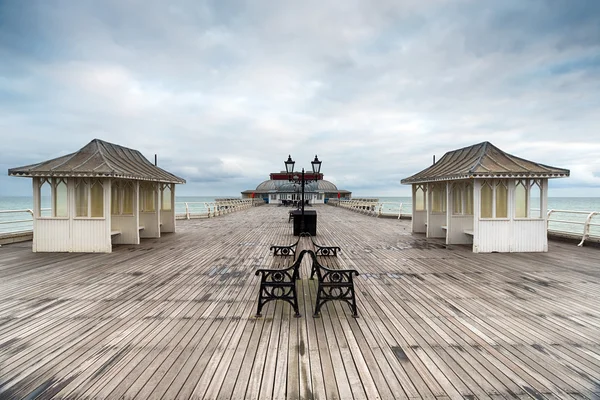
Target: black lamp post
289, 168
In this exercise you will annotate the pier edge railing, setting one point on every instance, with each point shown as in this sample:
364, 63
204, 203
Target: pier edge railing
373, 207
364, 206
211, 209
586, 233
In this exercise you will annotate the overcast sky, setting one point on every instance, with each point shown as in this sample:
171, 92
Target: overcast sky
224, 90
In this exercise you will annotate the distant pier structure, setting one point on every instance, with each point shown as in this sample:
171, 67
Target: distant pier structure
482, 196
278, 189
101, 194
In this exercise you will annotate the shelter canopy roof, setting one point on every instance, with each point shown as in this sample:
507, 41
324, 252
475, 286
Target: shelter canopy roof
483, 160
99, 159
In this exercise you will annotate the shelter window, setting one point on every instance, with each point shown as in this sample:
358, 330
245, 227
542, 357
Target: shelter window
122, 195
89, 198
487, 200
273, 197
457, 198
494, 199
128, 198
45, 198
60, 204
521, 200
147, 196
501, 199
166, 197
53, 198
528, 198
535, 198
469, 198
419, 197
115, 198
438, 198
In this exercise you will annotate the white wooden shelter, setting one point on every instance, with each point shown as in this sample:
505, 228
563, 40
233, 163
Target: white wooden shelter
484, 196
97, 196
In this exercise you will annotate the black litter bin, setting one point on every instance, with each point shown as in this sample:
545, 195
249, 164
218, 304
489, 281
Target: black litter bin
310, 222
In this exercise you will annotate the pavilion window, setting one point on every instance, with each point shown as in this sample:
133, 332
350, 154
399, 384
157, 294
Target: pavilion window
494, 199
128, 198
45, 198
60, 204
147, 196
419, 198
53, 196
535, 198
469, 199
521, 203
97, 199
115, 198
89, 198
501, 199
487, 200
166, 197
122, 195
81, 198
457, 198
438, 198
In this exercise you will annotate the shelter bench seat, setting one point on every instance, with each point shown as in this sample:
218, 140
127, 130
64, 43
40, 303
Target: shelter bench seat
141, 228
115, 233
469, 232
444, 227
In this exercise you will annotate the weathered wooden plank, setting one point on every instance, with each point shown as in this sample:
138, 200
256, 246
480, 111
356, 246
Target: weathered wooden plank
174, 317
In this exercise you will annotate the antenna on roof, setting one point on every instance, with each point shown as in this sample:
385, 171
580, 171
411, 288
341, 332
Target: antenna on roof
434, 159
156, 160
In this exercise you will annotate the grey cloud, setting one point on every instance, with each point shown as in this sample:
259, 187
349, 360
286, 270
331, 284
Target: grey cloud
377, 88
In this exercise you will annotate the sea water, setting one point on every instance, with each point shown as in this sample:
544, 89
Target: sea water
390, 205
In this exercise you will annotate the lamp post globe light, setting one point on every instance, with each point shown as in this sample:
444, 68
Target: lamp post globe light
302, 181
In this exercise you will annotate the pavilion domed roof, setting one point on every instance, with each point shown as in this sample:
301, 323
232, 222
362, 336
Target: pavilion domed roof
285, 186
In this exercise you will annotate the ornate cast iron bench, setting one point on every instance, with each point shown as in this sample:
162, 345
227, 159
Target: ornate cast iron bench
280, 284
321, 251
285, 250
334, 284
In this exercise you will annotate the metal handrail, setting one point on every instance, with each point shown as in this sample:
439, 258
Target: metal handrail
19, 222
210, 209
381, 213
586, 234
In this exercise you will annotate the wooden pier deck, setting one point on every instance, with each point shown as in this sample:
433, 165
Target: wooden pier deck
174, 318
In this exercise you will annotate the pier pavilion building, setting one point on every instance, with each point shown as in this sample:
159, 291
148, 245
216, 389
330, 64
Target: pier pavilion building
482, 196
279, 189
102, 194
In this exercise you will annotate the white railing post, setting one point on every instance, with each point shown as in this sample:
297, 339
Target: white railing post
548, 219
586, 228
187, 210
400, 211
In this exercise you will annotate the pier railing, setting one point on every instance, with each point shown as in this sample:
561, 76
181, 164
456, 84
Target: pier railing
584, 225
17, 221
374, 208
213, 208
387, 209
363, 206
569, 223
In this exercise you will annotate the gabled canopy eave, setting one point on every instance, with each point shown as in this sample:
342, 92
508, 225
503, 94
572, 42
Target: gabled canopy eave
57, 174
409, 181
